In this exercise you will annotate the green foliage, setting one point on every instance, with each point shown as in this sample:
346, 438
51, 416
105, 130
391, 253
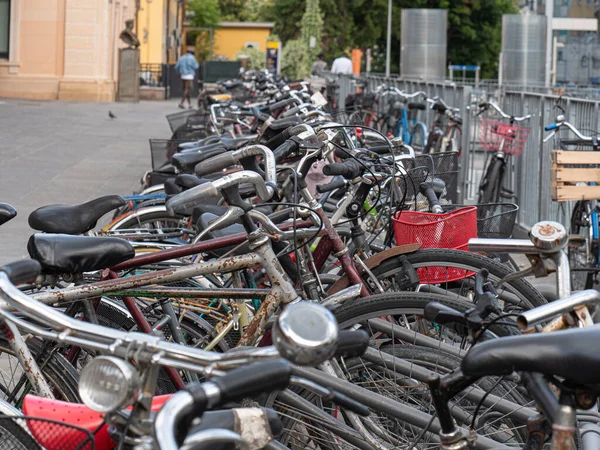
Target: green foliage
204, 13
234, 10
474, 28
256, 58
295, 61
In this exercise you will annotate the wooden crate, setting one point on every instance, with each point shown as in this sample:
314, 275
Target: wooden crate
565, 178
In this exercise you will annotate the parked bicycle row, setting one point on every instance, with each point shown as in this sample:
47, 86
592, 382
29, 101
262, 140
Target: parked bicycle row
286, 280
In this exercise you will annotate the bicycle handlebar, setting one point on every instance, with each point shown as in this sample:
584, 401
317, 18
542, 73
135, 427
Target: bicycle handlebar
555, 126
486, 105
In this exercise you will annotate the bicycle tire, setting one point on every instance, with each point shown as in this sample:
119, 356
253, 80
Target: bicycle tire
578, 254
470, 262
58, 372
15, 437
491, 182
419, 136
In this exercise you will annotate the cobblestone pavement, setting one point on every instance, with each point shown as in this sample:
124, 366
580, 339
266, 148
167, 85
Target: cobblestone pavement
69, 153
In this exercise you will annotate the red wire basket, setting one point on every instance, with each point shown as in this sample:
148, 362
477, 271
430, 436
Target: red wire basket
496, 135
449, 230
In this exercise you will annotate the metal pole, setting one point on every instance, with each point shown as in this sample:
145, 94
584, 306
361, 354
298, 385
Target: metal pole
388, 49
549, 17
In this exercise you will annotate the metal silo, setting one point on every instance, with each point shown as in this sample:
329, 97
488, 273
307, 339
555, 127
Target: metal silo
524, 49
423, 44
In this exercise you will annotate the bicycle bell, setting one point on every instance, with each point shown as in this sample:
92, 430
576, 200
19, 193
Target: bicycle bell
548, 235
306, 333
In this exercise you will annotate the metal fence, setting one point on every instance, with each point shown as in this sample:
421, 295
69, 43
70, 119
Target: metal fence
529, 176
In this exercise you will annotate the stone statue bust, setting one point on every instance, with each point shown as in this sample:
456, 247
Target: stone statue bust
128, 35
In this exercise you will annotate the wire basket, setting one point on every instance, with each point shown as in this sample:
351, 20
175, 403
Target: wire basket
496, 135
452, 229
161, 151
32, 433
426, 167
496, 220
177, 120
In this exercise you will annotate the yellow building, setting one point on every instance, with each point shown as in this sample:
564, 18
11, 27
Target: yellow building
158, 27
231, 37
61, 49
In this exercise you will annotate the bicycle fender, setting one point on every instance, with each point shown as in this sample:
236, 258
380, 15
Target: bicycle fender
374, 261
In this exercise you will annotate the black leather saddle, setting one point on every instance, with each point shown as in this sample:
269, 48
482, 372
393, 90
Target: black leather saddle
62, 253
570, 354
73, 219
7, 212
186, 161
420, 106
235, 143
182, 182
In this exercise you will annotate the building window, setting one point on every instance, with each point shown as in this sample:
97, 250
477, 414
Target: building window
4, 28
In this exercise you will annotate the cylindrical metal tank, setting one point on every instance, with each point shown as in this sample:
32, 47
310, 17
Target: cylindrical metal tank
423, 44
524, 49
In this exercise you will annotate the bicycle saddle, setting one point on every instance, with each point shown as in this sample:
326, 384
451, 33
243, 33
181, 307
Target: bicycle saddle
235, 143
62, 253
420, 106
186, 161
73, 219
7, 212
183, 182
570, 354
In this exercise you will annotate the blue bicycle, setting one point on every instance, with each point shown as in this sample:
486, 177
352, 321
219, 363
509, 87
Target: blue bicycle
401, 119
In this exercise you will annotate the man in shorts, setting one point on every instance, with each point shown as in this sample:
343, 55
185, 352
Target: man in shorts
187, 66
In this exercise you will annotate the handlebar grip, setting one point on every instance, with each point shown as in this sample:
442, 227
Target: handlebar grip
291, 112
337, 183
483, 105
259, 115
438, 186
351, 343
348, 169
21, 272
281, 104
551, 127
276, 141
284, 150
341, 153
254, 379
427, 190
215, 164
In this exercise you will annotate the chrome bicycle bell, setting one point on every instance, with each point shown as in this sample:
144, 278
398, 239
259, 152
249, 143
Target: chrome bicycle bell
548, 235
306, 333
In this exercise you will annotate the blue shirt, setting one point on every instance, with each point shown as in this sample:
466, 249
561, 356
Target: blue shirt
187, 65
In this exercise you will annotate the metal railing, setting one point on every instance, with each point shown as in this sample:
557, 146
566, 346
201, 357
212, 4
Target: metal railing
529, 176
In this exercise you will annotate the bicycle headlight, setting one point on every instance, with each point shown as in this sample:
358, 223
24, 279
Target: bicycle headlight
108, 384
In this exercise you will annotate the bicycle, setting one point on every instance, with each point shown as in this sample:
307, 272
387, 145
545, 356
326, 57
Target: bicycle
446, 133
501, 140
584, 247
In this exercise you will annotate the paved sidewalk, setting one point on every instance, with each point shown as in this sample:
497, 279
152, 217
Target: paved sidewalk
68, 152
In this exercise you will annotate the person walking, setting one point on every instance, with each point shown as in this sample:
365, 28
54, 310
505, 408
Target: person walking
320, 65
187, 66
343, 64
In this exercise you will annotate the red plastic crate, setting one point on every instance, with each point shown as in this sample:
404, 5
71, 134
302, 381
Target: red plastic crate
449, 230
496, 135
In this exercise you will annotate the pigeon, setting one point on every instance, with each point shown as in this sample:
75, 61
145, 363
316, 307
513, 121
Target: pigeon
111, 115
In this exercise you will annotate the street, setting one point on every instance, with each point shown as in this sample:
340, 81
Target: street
69, 153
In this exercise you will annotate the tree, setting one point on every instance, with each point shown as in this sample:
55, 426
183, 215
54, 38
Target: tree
234, 10
312, 24
256, 58
203, 14
474, 27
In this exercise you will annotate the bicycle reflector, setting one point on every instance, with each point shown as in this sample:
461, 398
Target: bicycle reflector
108, 384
